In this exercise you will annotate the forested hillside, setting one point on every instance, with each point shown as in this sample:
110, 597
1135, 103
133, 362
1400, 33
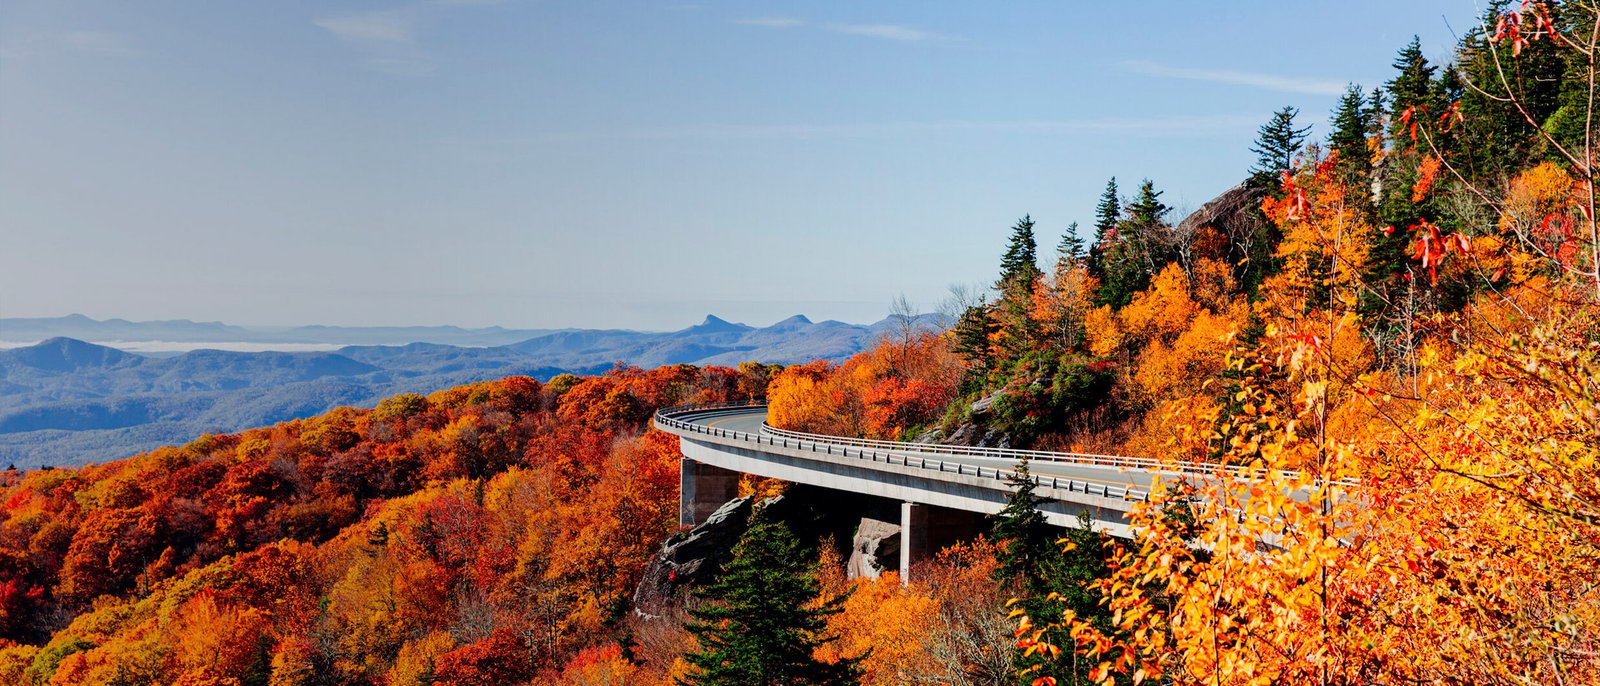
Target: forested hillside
1396, 326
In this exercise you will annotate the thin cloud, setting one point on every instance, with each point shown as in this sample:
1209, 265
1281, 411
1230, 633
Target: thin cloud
772, 22
1284, 84
1135, 126
387, 39
893, 32
384, 26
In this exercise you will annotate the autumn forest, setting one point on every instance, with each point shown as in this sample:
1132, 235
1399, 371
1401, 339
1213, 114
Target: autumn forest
1385, 338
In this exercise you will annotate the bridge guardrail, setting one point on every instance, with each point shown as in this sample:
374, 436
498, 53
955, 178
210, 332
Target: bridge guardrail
670, 418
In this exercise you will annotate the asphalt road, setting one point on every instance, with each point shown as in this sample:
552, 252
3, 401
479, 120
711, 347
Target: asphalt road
751, 421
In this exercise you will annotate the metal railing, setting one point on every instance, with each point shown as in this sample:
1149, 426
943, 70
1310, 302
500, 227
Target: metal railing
884, 452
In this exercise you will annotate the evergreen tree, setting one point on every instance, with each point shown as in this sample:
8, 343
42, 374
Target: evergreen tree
1147, 210
1493, 138
1026, 544
972, 333
1411, 88
1142, 246
1019, 265
1071, 247
1048, 578
1349, 137
762, 623
1276, 145
1106, 215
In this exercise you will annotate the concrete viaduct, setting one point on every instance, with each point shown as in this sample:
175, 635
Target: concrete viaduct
944, 491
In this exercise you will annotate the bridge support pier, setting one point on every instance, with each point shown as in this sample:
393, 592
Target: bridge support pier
927, 529
702, 489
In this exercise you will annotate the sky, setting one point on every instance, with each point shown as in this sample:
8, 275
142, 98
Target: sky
552, 163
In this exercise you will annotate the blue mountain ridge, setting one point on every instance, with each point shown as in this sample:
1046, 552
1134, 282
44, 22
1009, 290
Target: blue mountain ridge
65, 401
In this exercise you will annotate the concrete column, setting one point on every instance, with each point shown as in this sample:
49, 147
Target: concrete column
925, 530
702, 489
913, 537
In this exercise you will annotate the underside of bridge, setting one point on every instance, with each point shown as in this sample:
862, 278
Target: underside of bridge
883, 533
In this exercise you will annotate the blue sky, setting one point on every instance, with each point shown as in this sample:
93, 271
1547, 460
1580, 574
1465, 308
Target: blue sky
610, 164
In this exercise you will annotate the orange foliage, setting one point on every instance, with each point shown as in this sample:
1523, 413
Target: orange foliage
474, 536
876, 394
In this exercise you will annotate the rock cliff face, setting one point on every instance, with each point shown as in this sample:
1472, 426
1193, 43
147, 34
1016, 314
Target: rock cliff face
816, 516
874, 550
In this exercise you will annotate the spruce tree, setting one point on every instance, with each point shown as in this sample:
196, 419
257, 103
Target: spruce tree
1071, 247
1026, 545
1141, 248
1349, 136
1411, 88
761, 624
1019, 265
1275, 148
1019, 273
1106, 215
972, 333
1048, 578
1147, 210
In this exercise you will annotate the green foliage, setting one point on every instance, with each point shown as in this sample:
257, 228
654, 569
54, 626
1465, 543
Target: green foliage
1106, 215
1276, 145
1050, 391
401, 406
1137, 248
762, 622
1019, 266
1348, 139
1071, 249
1412, 87
1051, 573
1027, 547
48, 659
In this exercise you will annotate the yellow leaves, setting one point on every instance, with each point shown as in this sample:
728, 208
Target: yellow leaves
1103, 332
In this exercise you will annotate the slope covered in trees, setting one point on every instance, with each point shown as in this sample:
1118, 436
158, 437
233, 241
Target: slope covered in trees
480, 535
1407, 319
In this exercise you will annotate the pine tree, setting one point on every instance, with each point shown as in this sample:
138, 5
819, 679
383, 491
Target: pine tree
1019, 273
1106, 215
1276, 145
1026, 544
1071, 247
1141, 248
972, 333
762, 624
1048, 578
1349, 137
1147, 209
1019, 265
1411, 88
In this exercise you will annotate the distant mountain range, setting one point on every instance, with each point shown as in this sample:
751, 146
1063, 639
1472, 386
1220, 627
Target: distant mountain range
185, 331
65, 401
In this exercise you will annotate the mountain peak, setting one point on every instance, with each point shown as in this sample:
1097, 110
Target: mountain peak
61, 354
794, 322
715, 324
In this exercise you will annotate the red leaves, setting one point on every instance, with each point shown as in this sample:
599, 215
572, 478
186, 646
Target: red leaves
1452, 116
1430, 247
1427, 173
1408, 119
1513, 26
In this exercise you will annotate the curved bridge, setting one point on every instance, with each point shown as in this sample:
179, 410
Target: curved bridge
943, 490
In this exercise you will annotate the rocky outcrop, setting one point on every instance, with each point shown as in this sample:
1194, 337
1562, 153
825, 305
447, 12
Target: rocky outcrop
874, 550
975, 430
1233, 212
692, 557
695, 557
